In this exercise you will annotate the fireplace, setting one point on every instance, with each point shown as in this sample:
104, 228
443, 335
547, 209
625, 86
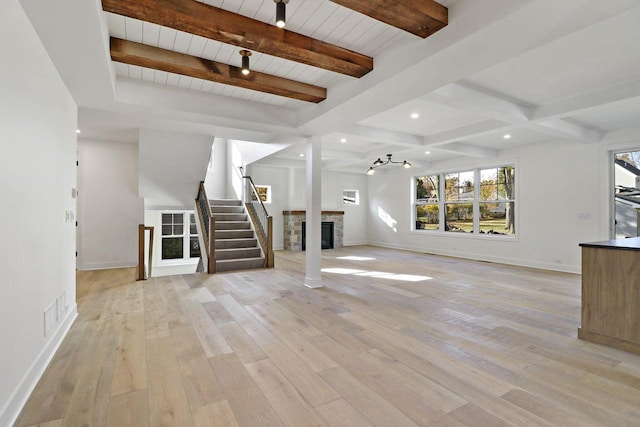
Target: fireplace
293, 229
326, 235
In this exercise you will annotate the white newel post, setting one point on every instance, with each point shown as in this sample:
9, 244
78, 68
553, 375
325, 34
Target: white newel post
313, 277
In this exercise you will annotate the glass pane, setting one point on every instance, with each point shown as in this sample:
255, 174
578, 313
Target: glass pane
194, 247
497, 218
171, 247
427, 188
193, 229
451, 184
177, 230
507, 180
167, 218
459, 217
488, 192
466, 186
459, 186
192, 218
178, 218
166, 230
427, 217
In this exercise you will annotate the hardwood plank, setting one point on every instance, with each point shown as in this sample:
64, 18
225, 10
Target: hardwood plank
54, 423
283, 396
207, 332
241, 343
340, 413
274, 314
217, 312
246, 400
198, 379
168, 405
308, 383
90, 399
230, 28
250, 324
133, 53
367, 402
217, 414
129, 409
130, 373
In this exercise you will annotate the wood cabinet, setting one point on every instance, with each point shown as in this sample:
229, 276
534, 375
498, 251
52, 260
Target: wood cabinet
611, 293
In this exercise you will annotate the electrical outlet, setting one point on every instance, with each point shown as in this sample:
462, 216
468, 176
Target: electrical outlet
49, 319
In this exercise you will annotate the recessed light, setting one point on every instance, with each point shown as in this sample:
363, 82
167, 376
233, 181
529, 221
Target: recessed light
343, 140
415, 115
507, 136
77, 130
301, 155
427, 152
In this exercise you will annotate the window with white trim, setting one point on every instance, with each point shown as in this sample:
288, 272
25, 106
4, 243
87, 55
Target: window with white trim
179, 241
487, 208
350, 197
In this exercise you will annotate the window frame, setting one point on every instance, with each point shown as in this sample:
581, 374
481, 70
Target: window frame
475, 201
186, 238
356, 202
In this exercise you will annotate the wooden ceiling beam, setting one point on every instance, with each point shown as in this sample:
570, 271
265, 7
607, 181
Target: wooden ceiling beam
133, 53
419, 17
218, 24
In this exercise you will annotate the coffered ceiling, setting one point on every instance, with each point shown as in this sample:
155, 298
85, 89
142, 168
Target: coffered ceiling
537, 70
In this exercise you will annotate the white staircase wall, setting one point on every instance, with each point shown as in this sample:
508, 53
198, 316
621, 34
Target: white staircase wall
216, 181
171, 167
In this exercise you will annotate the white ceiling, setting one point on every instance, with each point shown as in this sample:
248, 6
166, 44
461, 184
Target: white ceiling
535, 69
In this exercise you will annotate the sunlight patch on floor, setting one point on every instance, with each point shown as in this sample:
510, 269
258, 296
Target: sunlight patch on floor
377, 274
356, 258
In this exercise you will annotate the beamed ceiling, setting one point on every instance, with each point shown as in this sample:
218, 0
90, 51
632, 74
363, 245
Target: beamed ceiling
422, 18
353, 72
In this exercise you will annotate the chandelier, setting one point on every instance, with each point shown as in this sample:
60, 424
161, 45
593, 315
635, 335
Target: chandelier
380, 162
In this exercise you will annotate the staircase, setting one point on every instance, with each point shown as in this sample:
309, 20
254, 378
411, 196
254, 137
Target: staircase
235, 242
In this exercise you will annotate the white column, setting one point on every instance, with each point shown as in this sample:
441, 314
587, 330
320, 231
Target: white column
313, 277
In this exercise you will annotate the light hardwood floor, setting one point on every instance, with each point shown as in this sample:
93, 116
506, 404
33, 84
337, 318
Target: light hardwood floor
400, 339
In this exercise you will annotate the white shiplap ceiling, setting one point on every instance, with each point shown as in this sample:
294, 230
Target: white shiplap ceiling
536, 69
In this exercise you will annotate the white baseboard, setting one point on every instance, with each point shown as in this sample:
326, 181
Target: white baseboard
358, 243
564, 268
11, 410
106, 265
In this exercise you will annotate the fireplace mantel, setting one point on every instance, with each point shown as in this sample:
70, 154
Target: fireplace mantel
293, 228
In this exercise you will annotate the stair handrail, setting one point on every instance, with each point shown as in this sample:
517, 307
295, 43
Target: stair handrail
209, 227
262, 221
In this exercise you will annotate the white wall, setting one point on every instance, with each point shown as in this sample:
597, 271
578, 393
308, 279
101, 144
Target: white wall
216, 180
288, 192
37, 257
171, 167
560, 198
109, 208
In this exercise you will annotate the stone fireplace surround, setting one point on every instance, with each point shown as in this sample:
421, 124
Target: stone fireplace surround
293, 228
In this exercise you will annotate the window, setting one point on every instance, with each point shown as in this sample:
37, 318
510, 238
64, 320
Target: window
350, 197
264, 191
172, 235
427, 206
497, 200
459, 195
487, 208
178, 238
